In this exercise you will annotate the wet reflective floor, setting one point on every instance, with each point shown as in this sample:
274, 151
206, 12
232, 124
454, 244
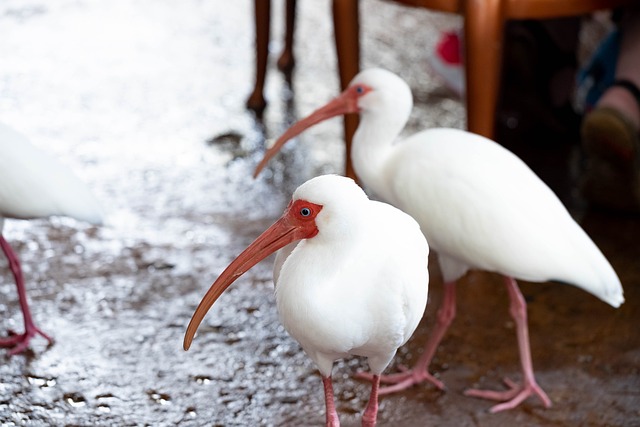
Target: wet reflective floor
145, 101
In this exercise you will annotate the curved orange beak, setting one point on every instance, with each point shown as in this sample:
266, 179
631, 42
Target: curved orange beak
345, 103
287, 229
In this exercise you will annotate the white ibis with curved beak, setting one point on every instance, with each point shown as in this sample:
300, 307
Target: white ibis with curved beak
479, 206
355, 284
33, 184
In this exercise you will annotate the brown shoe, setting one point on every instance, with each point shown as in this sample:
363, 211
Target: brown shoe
612, 145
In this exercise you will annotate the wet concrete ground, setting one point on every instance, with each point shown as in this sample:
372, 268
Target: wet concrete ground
145, 100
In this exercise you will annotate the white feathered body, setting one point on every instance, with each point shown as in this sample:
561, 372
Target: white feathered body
33, 184
360, 292
481, 207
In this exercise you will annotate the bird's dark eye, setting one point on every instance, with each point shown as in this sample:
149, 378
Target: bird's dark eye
359, 90
305, 211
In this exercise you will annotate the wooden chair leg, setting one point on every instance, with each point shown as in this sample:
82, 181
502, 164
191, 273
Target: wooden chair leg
286, 62
262, 8
346, 29
483, 31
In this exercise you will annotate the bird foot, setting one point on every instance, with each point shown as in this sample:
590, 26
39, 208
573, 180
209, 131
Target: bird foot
370, 416
20, 342
368, 422
403, 380
332, 421
512, 397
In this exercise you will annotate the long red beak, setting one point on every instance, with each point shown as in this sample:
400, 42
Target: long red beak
345, 103
280, 234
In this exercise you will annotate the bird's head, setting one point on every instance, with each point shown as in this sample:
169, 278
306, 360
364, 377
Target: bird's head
372, 91
320, 205
377, 90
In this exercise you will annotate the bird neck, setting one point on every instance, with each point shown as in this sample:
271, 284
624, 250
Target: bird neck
373, 144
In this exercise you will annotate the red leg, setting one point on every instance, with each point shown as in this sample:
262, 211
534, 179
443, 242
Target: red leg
332, 415
516, 394
20, 342
420, 371
371, 413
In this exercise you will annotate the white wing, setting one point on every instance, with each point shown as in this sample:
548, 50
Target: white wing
34, 184
480, 204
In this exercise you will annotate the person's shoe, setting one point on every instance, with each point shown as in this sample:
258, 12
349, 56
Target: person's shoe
611, 143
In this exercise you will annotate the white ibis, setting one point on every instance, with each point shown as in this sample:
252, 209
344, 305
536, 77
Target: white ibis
479, 206
355, 284
33, 184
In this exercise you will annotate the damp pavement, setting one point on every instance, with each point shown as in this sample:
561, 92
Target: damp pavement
145, 101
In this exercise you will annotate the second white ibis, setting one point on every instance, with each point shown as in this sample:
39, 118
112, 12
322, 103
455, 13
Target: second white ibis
479, 206
33, 184
355, 284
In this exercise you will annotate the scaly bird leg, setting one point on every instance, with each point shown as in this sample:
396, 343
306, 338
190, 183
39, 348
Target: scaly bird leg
20, 342
371, 413
332, 415
516, 393
420, 371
